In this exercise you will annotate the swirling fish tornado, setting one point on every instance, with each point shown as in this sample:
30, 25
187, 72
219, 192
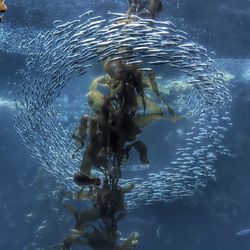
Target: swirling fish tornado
70, 49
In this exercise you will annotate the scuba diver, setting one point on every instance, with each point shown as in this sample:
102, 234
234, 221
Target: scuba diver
116, 120
145, 8
3, 8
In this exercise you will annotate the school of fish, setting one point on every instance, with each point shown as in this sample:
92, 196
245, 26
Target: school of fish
70, 49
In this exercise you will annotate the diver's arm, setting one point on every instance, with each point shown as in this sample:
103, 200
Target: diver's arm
154, 87
98, 81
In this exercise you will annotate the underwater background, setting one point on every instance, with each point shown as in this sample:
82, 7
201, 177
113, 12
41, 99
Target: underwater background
32, 216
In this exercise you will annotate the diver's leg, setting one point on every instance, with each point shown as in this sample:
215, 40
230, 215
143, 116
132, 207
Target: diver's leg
86, 165
88, 216
90, 154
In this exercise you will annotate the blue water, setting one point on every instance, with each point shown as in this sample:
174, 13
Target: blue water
30, 205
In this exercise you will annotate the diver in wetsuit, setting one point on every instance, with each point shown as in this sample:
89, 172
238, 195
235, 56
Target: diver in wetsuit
109, 128
145, 8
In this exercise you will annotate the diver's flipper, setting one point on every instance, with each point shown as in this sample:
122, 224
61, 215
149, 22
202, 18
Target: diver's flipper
84, 180
141, 148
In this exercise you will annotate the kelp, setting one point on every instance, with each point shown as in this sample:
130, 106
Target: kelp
107, 136
3, 8
88, 229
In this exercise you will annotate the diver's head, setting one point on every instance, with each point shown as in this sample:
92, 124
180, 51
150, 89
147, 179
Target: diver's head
155, 7
146, 8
